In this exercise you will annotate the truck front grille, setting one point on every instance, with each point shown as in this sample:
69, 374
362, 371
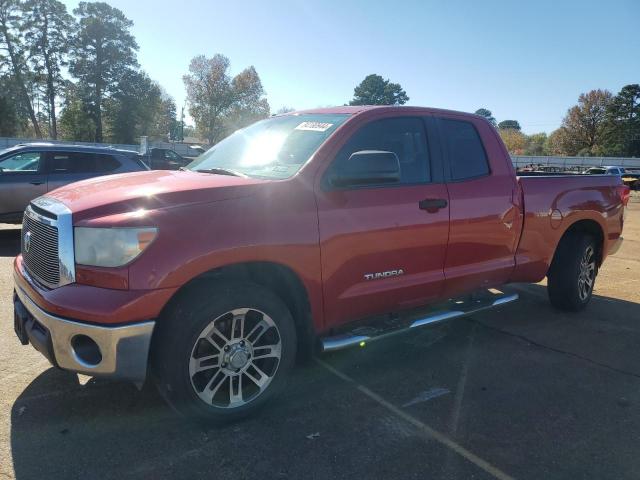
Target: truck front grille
40, 250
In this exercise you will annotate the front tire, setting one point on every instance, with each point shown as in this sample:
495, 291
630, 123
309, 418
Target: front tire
223, 351
573, 272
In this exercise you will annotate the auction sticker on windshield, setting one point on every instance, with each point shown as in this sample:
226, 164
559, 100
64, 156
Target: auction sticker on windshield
314, 126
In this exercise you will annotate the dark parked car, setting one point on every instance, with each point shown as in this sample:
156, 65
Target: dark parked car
165, 159
30, 170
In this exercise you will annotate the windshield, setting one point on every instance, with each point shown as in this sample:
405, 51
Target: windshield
274, 148
596, 171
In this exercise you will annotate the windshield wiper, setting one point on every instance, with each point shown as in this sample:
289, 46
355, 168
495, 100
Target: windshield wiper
222, 171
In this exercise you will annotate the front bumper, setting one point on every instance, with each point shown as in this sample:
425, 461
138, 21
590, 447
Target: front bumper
123, 350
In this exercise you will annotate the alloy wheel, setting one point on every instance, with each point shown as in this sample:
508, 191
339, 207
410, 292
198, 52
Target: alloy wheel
235, 358
587, 273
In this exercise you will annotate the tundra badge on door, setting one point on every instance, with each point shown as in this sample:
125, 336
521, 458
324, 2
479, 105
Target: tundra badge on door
388, 273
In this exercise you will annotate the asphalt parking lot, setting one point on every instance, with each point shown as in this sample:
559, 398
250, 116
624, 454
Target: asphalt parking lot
521, 392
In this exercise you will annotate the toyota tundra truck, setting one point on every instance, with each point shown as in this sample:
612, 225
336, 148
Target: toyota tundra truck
302, 233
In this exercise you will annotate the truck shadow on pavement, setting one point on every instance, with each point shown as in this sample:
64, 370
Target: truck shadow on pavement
9, 242
545, 368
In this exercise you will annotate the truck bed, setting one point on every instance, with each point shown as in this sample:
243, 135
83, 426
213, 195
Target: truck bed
552, 203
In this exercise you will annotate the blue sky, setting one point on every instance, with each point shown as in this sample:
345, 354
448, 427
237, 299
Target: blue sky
527, 61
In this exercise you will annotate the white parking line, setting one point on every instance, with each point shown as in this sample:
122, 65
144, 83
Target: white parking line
423, 428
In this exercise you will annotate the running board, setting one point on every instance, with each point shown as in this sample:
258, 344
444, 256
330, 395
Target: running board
455, 308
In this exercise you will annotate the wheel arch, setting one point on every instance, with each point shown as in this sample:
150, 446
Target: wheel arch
584, 226
278, 278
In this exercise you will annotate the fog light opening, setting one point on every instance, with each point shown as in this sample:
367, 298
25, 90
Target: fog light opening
86, 350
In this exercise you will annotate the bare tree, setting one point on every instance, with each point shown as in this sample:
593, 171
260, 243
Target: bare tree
219, 103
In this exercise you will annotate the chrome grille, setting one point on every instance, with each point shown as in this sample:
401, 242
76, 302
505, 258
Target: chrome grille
41, 257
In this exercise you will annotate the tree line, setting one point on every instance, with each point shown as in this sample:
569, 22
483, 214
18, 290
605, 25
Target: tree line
601, 124
75, 76
107, 97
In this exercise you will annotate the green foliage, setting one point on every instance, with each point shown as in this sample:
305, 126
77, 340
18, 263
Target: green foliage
535, 144
583, 128
375, 90
8, 118
134, 108
554, 145
76, 122
17, 121
103, 52
621, 129
14, 62
483, 112
167, 125
46, 26
189, 131
509, 124
220, 104
514, 140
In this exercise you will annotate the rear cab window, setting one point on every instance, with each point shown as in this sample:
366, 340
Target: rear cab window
467, 158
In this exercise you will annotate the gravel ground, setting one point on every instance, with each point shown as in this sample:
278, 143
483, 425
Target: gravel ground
519, 392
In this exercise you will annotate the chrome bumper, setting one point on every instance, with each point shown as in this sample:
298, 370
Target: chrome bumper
124, 350
615, 246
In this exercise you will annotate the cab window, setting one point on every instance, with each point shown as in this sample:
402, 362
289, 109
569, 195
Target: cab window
26, 162
403, 136
465, 152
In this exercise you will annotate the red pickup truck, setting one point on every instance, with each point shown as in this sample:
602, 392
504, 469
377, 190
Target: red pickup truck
307, 231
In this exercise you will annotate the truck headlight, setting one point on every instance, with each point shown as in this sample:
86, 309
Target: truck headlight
111, 247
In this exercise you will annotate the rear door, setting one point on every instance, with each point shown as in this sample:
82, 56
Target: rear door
380, 250
22, 178
485, 215
68, 167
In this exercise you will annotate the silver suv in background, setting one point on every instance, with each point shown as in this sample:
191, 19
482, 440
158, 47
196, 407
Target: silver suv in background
30, 170
605, 170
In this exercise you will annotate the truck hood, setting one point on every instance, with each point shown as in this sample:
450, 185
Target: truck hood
128, 192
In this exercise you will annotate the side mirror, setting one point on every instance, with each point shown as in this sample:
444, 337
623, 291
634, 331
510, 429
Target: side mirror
367, 167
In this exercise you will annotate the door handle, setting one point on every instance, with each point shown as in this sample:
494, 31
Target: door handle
37, 182
431, 205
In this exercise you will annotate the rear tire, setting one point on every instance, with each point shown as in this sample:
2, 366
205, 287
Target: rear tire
223, 350
573, 272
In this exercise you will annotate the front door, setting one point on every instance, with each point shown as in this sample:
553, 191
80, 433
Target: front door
382, 246
21, 180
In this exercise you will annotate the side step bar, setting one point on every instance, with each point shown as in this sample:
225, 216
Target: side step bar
455, 308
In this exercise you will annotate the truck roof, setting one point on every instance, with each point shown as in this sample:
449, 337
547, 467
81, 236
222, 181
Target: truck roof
356, 109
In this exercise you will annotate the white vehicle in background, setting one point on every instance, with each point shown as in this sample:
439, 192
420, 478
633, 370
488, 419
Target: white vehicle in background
605, 170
